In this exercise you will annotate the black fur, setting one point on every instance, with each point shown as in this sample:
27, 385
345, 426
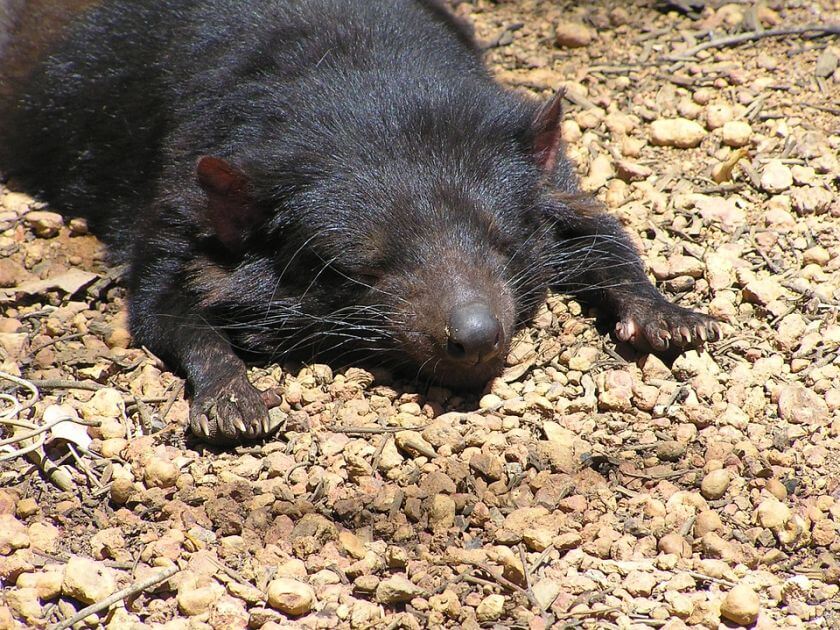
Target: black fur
370, 176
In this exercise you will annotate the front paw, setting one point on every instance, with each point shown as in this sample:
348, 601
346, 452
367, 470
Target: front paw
661, 325
230, 412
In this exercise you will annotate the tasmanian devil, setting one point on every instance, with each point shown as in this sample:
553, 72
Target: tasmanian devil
340, 177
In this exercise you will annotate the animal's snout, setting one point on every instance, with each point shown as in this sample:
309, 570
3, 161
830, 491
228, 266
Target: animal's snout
474, 333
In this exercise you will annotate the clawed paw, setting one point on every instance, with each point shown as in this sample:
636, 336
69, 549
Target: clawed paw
663, 325
230, 413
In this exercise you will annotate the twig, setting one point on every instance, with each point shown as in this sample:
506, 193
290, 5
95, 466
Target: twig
173, 396
51, 342
506, 583
708, 578
135, 588
62, 384
734, 40
373, 430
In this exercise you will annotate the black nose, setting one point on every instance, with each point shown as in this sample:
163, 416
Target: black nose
474, 333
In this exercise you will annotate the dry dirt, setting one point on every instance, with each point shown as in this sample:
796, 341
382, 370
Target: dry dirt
589, 487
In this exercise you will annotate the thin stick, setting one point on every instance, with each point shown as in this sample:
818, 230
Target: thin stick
734, 40
135, 588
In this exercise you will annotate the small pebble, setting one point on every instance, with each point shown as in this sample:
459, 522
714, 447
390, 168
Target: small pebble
772, 514
44, 224
741, 605
87, 581
776, 177
573, 35
397, 589
160, 473
490, 608
676, 132
707, 521
736, 133
291, 597
715, 483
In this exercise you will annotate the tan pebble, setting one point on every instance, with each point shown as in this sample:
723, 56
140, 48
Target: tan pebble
512, 567
44, 224
703, 96
397, 589
488, 465
676, 132
631, 171
44, 535
78, 226
87, 581
447, 603
800, 405
121, 490
824, 533
46, 583
811, 200
571, 131
776, 488
26, 507
490, 608
687, 108
718, 114
776, 177
714, 546
741, 605
413, 443
762, 291
546, 591
639, 584
772, 514
675, 544
590, 118
537, 539
196, 594
441, 512
111, 428
790, 330
160, 473
679, 604
632, 147
13, 534
736, 133
707, 521
600, 172
106, 402
817, 255
290, 597
573, 35
352, 544
112, 448
390, 457
24, 601
17, 202
366, 583
715, 483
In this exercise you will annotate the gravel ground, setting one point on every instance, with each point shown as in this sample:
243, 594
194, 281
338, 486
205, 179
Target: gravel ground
588, 487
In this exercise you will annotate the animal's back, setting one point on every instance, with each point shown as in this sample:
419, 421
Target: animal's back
130, 91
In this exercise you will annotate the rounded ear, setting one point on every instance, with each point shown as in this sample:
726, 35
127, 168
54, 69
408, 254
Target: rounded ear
230, 209
546, 131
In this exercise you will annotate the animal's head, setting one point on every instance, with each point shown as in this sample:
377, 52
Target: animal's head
425, 249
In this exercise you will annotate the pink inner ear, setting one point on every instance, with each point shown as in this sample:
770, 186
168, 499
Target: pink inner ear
230, 210
547, 138
217, 176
